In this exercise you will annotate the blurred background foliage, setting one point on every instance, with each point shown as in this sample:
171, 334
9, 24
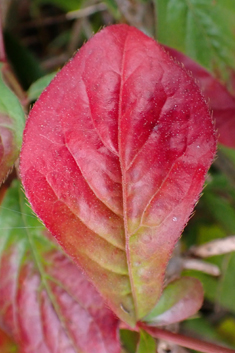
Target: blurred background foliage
40, 37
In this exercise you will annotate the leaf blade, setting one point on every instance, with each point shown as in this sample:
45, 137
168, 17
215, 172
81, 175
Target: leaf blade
129, 138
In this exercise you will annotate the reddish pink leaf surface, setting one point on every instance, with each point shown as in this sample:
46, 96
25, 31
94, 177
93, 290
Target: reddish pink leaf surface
81, 323
47, 304
220, 100
114, 157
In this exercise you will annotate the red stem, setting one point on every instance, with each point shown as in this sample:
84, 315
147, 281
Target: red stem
2, 48
184, 341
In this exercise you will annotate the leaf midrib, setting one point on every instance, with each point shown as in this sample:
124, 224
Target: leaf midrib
127, 246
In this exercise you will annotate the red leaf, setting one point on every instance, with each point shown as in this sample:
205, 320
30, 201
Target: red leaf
46, 302
220, 100
114, 157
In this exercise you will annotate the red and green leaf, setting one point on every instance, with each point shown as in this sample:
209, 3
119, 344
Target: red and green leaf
181, 299
47, 304
114, 158
221, 102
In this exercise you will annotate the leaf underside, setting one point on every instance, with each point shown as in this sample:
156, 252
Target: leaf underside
47, 304
114, 157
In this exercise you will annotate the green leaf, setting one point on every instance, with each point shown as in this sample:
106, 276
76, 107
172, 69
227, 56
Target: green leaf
221, 210
229, 153
219, 290
185, 292
146, 344
203, 328
129, 340
68, 5
226, 329
11, 127
202, 29
38, 86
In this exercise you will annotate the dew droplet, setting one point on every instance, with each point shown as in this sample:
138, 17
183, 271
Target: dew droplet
174, 219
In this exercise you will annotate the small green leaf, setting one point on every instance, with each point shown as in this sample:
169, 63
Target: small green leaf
38, 86
11, 127
185, 292
146, 344
129, 340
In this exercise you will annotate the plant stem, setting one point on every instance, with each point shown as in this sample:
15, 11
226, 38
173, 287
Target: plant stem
14, 85
184, 341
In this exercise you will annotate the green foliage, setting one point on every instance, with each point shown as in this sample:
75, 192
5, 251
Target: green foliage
201, 326
11, 126
68, 5
38, 86
129, 340
226, 329
12, 109
21, 228
146, 343
202, 29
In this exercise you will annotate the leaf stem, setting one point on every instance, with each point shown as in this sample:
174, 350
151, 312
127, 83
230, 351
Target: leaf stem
184, 341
